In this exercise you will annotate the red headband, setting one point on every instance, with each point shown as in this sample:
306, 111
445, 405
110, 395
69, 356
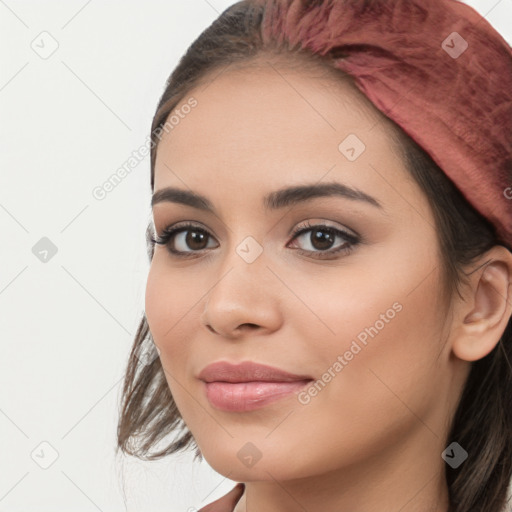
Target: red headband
438, 69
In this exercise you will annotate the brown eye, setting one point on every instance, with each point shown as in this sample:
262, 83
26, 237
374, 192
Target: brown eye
184, 239
194, 239
319, 239
322, 239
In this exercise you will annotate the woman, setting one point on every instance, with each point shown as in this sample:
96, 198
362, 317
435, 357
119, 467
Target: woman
331, 265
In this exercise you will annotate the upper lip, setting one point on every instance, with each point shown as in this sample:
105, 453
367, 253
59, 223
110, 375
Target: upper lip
247, 371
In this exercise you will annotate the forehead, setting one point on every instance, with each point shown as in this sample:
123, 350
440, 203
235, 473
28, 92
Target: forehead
271, 126
266, 100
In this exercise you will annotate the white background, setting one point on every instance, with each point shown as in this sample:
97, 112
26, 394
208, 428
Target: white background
68, 123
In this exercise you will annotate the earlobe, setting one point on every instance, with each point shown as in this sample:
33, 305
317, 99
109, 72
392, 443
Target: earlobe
487, 310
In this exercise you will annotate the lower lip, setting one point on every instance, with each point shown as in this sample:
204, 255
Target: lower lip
247, 396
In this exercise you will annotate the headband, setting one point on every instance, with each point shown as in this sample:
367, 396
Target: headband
437, 68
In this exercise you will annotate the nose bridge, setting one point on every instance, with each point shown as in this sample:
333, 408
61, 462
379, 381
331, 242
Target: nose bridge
245, 237
242, 293
248, 247
246, 260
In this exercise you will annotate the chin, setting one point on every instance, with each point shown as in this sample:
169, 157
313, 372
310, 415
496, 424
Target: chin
245, 462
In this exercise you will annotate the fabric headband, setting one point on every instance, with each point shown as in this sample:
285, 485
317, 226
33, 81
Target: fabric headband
438, 69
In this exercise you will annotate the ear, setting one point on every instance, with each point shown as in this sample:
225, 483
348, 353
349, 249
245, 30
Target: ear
486, 309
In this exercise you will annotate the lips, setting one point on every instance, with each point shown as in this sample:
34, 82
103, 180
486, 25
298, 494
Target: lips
248, 386
247, 372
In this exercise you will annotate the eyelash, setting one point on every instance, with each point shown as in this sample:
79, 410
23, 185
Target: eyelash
168, 234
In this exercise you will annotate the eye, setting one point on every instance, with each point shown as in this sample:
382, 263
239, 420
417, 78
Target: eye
183, 235
322, 237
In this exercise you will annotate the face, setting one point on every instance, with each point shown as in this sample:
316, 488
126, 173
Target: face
352, 303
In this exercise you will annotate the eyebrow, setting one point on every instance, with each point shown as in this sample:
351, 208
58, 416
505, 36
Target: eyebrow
273, 201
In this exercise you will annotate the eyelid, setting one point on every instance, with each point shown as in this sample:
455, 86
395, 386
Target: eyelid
318, 221
294, 231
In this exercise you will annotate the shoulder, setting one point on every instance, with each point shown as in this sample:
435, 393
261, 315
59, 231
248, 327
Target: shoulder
227, 502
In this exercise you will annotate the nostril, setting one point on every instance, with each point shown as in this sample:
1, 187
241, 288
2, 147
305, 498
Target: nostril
251, 326
241, 327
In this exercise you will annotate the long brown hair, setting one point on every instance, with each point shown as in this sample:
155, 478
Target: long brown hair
483, 419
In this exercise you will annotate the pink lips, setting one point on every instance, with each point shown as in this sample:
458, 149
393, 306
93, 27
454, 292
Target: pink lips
248, 386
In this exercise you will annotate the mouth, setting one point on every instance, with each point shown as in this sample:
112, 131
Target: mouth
248, 386
248, 396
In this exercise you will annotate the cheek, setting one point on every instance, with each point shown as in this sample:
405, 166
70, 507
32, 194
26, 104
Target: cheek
171, 303
157, 306
383, 353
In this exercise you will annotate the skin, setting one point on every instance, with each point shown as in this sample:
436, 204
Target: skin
372, 438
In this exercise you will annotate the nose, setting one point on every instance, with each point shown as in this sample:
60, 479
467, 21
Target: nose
243, 300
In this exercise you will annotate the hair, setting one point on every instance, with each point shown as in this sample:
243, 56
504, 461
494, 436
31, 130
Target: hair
482, 422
